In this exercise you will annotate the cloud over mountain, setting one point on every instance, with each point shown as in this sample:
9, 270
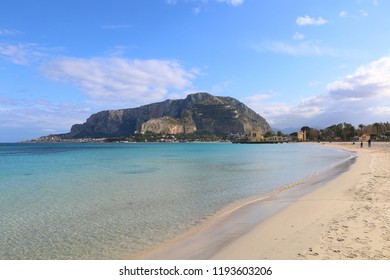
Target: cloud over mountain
119, 80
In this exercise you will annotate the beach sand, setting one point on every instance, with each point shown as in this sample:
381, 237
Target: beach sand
347, 218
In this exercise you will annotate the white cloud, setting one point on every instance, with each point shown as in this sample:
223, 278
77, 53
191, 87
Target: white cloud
307, 20
28, 118
26, 53
258, 98
343, 14
20, 53
361, 13
119, 81
305, 48
9, 32
380, 110
361, 97
232, 2
298, 36
367, 81
302, 48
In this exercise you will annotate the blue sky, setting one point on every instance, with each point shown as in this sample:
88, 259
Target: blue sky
296, 63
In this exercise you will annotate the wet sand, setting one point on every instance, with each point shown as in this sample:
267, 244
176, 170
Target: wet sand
347, 218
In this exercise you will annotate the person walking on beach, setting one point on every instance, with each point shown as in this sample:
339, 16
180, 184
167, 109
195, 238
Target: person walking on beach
361, 144
369, 143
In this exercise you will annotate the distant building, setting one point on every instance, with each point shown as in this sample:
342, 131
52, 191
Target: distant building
255, 136
275, 139
365, 137
301, 136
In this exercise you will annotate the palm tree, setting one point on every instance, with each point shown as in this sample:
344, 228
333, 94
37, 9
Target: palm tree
361, 126
377, 126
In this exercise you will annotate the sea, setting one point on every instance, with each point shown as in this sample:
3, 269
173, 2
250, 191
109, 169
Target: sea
116, 200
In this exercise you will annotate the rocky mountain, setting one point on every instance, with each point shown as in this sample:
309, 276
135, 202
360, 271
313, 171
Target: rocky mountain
201, 112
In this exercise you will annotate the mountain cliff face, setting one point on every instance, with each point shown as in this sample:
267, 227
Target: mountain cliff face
200, 112
168, 125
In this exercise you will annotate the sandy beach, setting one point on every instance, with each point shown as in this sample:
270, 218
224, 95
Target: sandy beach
347, 218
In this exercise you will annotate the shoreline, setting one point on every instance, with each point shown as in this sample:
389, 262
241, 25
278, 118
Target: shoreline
347, 218
237, 220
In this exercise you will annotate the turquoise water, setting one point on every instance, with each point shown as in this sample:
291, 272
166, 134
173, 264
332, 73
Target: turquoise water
110, 201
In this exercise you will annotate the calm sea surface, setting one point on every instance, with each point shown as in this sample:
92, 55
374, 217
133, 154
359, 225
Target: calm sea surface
109, 201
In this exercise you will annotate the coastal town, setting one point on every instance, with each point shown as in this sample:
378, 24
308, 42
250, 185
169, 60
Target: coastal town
342, 132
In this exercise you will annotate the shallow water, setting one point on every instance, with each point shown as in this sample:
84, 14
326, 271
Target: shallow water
109, 201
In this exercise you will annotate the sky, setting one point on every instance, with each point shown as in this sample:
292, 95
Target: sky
296, 63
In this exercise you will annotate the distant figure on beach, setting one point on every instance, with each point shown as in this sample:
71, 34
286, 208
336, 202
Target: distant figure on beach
361, 144
369, 143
